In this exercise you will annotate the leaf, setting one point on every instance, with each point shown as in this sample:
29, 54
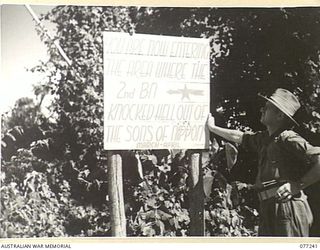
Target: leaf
147, 230
147, 215
164, 216
174, 222
164, 168
153, 159
207, 215
152, 202
139, 166
183, 216
215, 146
228, 195
224, 230
235, 221
231, 155
168, 204
161, 226
207, 183
43, 217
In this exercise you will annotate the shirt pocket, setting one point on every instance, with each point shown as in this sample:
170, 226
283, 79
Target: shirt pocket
275, 162
271, 170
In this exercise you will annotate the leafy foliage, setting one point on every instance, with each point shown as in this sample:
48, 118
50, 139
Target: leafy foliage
34, 194
28, 205
228, 210
161, 198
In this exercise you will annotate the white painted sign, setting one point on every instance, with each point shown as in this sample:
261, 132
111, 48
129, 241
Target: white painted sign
156, 91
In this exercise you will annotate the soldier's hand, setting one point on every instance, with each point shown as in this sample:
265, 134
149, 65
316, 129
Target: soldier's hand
210, 121
287, 190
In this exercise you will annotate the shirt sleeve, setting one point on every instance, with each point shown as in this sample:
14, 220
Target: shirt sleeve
252, 141
296, 145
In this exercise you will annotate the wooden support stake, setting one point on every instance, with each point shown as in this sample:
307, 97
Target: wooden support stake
196, 196
115, 187
55, 42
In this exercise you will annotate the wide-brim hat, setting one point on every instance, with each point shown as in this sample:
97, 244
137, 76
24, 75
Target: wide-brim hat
286, 101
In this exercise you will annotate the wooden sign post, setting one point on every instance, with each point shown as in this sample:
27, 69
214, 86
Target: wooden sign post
115, 187
196, 196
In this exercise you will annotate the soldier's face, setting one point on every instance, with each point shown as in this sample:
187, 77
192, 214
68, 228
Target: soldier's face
269, 114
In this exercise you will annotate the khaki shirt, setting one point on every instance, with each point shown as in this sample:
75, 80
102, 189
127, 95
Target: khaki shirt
284, 155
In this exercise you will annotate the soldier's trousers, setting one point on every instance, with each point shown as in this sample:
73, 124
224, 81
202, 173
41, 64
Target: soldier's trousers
292, 218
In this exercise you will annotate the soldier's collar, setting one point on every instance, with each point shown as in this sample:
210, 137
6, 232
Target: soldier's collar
276, 134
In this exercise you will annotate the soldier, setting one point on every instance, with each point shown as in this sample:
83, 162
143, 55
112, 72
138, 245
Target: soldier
287, 164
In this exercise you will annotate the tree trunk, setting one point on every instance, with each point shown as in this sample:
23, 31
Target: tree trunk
196, 196
115, 187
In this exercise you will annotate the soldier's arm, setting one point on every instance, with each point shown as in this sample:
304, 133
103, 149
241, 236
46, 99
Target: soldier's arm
228, 134
294, 187
312, 176
304, 150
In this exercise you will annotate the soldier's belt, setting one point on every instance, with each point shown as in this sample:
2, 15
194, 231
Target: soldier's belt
267, 193
269, 189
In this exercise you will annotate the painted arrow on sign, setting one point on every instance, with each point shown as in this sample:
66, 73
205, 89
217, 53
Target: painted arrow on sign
185, 92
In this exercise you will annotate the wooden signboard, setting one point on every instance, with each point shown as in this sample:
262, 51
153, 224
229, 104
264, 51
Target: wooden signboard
156, 91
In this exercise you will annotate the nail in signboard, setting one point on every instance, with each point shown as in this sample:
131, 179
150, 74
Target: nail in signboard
156, 91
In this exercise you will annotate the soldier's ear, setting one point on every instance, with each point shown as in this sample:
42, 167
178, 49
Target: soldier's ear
284, 119
281, 116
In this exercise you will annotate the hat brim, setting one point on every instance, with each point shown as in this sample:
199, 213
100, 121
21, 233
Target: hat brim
277, 105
